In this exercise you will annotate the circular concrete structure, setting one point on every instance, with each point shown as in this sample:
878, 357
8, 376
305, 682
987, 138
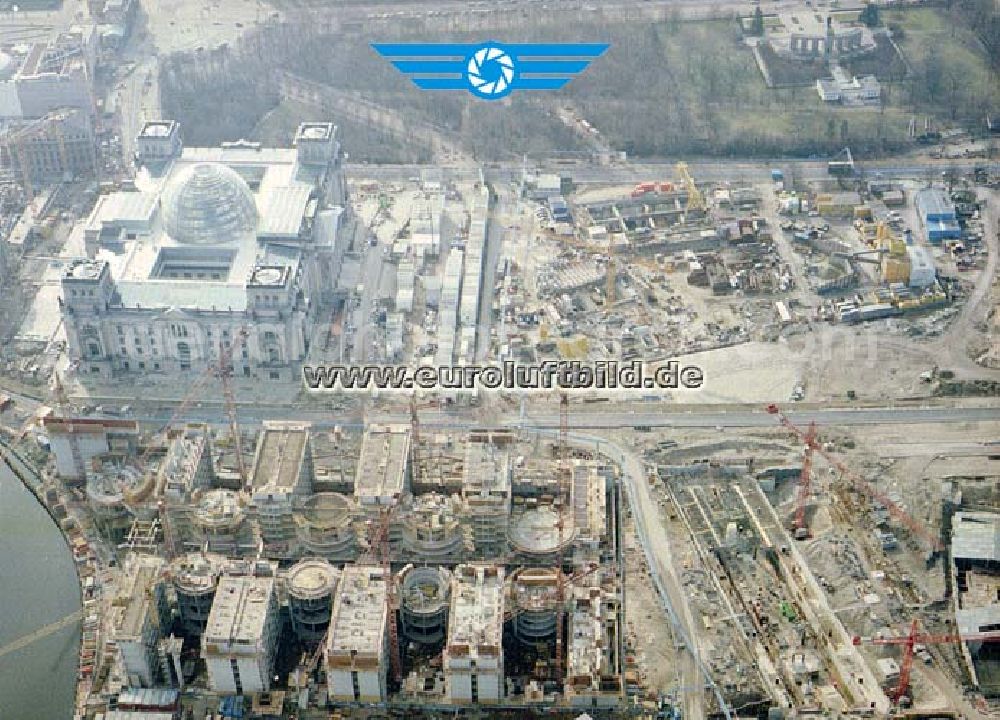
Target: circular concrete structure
535, 534
534, 597
195, 577
219, 511
432, 530
325, 526
311, 585
110, 487
425, 596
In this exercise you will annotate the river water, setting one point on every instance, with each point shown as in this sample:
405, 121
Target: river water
38, 586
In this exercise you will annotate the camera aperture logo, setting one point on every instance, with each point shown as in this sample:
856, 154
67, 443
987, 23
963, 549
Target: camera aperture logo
490, 70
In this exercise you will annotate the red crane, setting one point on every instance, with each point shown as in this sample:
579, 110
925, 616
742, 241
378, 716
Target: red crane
862, 485
914, 638
800, 527
380, 543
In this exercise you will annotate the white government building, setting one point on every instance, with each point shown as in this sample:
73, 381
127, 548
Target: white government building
230, 247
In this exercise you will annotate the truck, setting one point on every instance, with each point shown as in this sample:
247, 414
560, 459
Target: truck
777, 175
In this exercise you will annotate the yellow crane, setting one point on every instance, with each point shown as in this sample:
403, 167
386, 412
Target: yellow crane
695, 199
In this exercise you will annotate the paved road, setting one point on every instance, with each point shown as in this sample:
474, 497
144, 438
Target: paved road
668, 417
702, 169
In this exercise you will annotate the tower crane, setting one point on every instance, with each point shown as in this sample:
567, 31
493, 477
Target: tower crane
859, 483
695, 198
382, 543
913, 638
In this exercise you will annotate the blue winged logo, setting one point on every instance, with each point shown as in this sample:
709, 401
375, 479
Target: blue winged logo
490, 70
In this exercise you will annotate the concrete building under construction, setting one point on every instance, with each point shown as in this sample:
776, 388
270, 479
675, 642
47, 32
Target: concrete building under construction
187, 464
282, 473
473, 557
326, 526
425, 597
473, 657
431, 530
311, 585
486, 491
241, 639
383, 467
92, 436
113, 486
195, 577
140, 617
357, 644
212, 520
593, 661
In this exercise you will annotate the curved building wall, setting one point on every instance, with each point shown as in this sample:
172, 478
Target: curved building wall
195, 578
325, 527
311, 586
425, 596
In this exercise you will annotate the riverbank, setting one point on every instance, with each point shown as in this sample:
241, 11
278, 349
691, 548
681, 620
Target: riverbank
84, 566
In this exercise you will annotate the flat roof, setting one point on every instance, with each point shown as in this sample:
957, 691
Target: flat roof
933, 201
475, 623
282, 210
486, 472
239, 614
382, 464
281, 452
282, 191
972, 621
141, 578
157, 129
976, 536
359, 615
589, 501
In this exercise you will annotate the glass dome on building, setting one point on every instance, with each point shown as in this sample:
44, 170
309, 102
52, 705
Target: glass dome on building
208, 204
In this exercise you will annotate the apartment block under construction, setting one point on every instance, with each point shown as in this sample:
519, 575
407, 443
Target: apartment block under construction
461, 569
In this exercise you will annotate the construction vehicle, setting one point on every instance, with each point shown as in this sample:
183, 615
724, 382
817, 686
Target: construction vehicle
909, 642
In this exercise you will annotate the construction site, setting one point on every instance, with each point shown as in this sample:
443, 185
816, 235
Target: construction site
817, 586
426, 570
590, 271
448, 569
813, 530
